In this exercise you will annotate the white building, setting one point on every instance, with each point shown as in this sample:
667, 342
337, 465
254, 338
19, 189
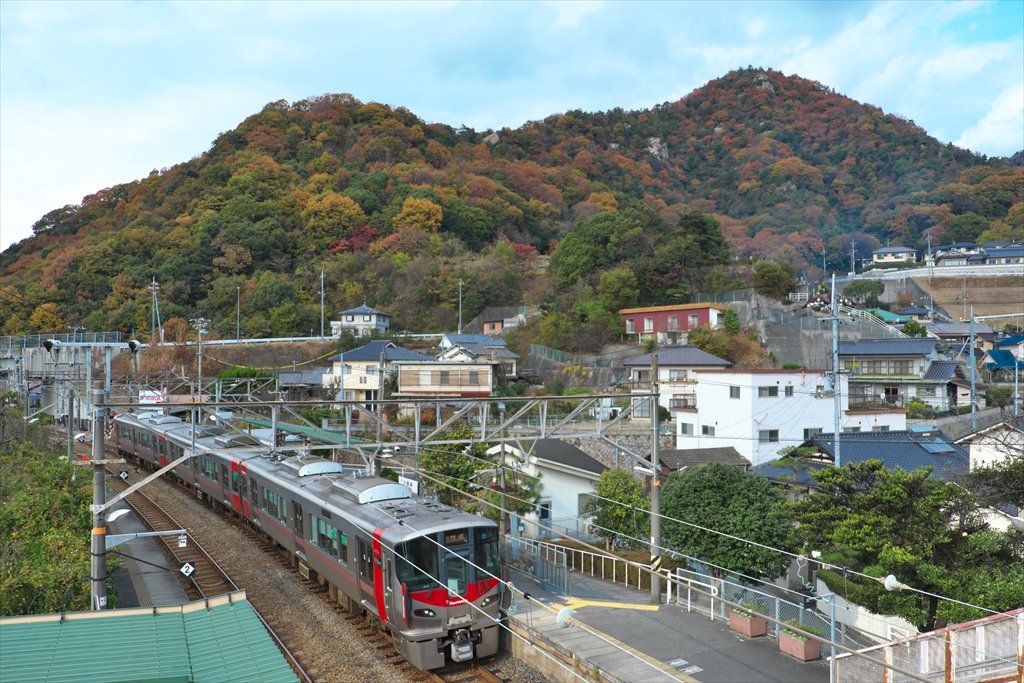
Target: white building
759, 412
361, 321
677, 377
567, 478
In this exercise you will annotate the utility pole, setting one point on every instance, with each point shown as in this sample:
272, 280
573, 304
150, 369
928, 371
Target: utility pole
655, 487
970, 359
321, 304
380, 412
836, 402
931, 261
502, 514
853, 257
824, 265
98, 571
155, 313
238, 313
200, 326
460, 305
1016, 386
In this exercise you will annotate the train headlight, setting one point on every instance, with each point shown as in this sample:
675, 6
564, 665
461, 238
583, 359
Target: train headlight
488, 600
427, 613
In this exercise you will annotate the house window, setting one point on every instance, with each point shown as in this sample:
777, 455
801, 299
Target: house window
811, 432
424, 378
673, 323
641, 408
768, 435
789, 391
685, 429
349, 318
677, 375
630, 326
734, 392
767, 392
474, 377
693, 320
648, 324
367, 318
880, 428
707, 430
854, 429
445, 378
926, 391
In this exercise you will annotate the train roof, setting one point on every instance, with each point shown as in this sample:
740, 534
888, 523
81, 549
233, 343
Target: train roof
372, 502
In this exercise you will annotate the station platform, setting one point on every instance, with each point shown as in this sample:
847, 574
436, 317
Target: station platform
145, 579
663, 642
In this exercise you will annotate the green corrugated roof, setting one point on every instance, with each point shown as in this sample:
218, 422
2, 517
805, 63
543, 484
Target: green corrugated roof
314, 433
221, 639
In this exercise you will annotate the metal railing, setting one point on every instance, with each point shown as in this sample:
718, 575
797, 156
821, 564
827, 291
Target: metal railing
600, 566
872, 319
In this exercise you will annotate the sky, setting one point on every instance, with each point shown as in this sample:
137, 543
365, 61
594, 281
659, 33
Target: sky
95, 94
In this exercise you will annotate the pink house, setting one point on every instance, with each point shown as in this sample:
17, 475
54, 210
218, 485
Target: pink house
666, 322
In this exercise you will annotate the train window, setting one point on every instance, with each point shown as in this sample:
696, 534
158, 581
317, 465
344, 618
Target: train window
325, 537
486, 555
343, 547
365, 561
208, 468
223, 474
254, 491
275, 506
458, 537
234, 481
417, 564
297, 517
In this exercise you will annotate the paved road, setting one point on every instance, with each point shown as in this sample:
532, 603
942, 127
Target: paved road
689, 642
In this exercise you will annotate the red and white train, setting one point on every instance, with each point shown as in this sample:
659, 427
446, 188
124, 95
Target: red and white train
425, 570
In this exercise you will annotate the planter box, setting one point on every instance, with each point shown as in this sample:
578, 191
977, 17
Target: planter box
752, 626
804, 650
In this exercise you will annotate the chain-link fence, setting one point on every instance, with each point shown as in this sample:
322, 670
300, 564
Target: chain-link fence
988, 650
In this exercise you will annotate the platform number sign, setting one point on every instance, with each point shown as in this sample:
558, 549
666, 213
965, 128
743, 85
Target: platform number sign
123, 475
187, 568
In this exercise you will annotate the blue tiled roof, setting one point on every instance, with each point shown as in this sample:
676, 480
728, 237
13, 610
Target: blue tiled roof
685, 355
371, 352
1000, 359
908, 450
887, 347
1011, 341
364, 309
1005, 252
497, 350
484, 339
914, 310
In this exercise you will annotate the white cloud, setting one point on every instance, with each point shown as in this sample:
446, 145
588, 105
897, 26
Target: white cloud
1002, 129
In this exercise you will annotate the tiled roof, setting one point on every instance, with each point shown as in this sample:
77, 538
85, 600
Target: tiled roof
463, 339
685, 355
497, 350
940, 371
1011, 341
887, 347
894, 250
908, 450
371, 352
364, 309
673, 307
676, 459
913, 310
1005, 252
956, 329
562, 453
1000, 359
222, 639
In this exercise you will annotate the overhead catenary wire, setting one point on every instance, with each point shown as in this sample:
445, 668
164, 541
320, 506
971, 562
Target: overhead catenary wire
807, 634
845, 570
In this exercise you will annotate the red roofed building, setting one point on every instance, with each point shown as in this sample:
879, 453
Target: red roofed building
665, 323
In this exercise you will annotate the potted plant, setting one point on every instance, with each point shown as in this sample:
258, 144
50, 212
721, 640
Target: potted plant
796, 644
747, 620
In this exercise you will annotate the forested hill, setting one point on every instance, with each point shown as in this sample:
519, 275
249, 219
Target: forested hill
632, 207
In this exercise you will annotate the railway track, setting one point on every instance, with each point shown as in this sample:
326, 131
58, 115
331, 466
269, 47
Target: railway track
208, 579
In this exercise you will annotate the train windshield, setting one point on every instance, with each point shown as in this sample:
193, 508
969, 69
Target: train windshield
487, 553
417, 565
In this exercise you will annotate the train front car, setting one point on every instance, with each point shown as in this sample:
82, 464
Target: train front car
447, 581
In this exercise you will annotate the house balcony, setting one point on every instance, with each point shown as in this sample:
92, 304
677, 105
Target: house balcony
683, 403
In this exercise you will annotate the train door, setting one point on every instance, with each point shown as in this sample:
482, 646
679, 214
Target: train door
236, 485
389, 593
297, 520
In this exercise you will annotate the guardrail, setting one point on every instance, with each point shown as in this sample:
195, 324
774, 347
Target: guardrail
607, 567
